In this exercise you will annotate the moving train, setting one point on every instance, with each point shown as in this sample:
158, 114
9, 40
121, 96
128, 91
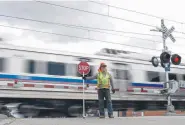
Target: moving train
45, 83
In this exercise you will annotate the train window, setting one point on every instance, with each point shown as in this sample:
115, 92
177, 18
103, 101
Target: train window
172, 76
120, 74
30, 66
55, 68
2, 63
153, 76
90, 73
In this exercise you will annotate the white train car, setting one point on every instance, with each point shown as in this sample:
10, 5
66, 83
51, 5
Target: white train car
52, 75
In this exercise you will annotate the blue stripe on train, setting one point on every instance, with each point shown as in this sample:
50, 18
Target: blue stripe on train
40, 78
147, 85
51, 79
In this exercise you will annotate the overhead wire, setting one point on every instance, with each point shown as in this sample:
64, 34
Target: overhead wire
89, 28
79, 27
114, 17
134, 11
43, 2
85, 27
95, 29
76, 37
32, 30
69, 35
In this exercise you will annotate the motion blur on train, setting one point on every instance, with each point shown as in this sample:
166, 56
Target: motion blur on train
31, 65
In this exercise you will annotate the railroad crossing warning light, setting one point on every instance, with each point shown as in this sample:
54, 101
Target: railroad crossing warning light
176, 59
165, 57
155, 61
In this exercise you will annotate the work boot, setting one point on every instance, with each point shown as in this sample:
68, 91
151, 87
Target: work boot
101, 116
111, 116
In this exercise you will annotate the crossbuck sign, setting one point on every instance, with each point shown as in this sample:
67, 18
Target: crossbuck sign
166, 32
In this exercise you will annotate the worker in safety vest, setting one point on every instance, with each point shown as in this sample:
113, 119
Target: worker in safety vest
104, 81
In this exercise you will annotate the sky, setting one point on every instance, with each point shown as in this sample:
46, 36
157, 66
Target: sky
38, 11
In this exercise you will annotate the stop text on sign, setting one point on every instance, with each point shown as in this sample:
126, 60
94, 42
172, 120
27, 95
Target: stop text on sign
83, 68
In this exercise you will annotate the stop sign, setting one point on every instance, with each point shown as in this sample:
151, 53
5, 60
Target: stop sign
83, 67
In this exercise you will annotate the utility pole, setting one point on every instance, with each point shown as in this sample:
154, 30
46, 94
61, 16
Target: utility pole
165, 62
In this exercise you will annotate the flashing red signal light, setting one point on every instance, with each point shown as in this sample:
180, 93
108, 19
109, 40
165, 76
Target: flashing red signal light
176, 59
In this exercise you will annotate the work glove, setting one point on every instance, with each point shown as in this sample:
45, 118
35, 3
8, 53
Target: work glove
83, 77
87, 85
113, 91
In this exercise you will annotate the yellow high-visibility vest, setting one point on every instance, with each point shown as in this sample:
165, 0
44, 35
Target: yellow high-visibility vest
103, 81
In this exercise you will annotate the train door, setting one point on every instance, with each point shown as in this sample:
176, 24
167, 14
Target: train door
121, 76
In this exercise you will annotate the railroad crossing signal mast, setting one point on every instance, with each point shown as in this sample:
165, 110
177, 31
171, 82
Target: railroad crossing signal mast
171, 86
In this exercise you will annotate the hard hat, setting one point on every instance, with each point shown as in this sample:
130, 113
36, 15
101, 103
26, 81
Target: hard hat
102, 64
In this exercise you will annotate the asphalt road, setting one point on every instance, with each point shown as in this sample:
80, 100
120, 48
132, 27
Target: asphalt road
158, 120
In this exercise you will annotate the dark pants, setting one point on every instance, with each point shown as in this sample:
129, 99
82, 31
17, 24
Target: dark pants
101, 94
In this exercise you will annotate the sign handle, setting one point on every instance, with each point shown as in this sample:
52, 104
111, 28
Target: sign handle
83, 98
